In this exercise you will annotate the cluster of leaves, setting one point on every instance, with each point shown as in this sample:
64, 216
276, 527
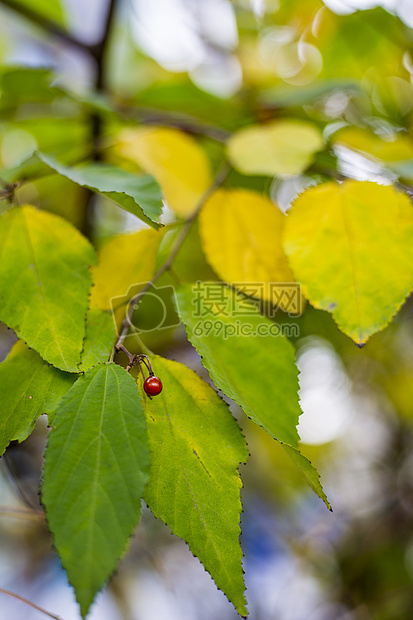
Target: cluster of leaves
348, 243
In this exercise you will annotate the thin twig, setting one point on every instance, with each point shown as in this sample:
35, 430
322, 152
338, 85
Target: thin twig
25, 600
4, 183
102, 45
187, 123
327, 172
150, 116
408, 189
339, 176
8, 192
50, 26
217, 182
23, 513
20, 490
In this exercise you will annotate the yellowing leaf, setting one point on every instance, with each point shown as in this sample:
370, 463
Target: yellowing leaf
174, 159
241, 233
124, 261
44, 283
350, 246
279, 147
235, 361
366, 141
194, 486
99, 338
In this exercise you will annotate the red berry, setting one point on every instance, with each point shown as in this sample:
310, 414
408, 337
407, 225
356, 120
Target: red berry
152, 386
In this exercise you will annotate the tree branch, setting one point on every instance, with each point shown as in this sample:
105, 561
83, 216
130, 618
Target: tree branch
95, 118
217, 182
185, 122
100, 78
23, 513
50, 26
338, 176
19, 488
25, 600
100, 48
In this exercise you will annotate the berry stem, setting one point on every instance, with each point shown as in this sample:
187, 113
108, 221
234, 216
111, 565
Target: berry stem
139, 358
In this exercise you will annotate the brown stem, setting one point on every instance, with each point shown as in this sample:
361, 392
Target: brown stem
131, 357
217, 182
139, 359
25, 600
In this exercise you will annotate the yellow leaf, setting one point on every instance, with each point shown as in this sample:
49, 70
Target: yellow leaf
125, 261
279, 147
350, 246
241, 234
393, 149
174, 159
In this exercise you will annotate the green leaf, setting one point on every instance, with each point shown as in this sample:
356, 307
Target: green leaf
94, 102
283, 146
51, 9
20, 85
137, 194
196, 447
29, 169
309, 472
184, 98
370, 41
190, 263
392, 150
64, 136
60, 135
100, 335
282, 96
257, 371
45, 283
350, 245
96, 468
28, 387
